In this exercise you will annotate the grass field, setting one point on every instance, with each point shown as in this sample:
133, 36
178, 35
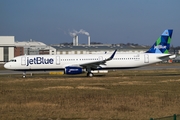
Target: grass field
118, 95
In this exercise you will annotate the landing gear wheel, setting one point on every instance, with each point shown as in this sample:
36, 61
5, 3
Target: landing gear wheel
24, 74
89, 74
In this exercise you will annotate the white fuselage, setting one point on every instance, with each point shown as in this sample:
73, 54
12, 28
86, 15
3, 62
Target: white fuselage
58, 62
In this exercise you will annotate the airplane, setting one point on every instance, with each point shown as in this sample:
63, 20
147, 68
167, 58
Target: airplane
77, 64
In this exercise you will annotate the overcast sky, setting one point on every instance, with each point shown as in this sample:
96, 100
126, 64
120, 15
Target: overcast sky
107, 21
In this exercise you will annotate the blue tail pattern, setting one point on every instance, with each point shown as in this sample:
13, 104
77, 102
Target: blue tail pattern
162, 45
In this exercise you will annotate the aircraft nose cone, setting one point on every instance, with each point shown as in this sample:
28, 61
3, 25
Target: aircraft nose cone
6, 66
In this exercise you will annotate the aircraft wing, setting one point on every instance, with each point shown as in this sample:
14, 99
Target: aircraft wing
96, 64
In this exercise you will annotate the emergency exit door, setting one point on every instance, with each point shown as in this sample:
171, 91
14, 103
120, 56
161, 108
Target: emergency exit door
100, 58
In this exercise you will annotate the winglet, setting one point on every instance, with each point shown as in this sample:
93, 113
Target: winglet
112, 56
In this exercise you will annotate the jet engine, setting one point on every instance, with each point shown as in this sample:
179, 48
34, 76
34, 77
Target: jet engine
73, 70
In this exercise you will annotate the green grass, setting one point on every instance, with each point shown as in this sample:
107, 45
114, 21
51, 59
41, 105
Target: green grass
124, 95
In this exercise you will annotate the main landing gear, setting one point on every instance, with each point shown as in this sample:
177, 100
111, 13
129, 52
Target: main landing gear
90, 74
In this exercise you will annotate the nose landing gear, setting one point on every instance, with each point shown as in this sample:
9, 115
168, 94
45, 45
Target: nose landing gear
24, 74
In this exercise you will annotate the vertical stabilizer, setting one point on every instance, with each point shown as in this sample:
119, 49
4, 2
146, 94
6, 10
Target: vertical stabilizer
162, 45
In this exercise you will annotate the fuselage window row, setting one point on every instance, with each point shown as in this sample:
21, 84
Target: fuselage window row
125, 58
77, 59
92, 59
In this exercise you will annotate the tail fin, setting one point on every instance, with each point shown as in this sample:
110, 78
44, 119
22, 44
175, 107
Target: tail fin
162, 44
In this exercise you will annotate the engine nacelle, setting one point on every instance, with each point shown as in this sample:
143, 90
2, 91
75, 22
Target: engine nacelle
73, 70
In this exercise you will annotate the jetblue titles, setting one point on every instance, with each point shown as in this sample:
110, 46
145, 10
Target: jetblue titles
39, 60
73, 70
160, 47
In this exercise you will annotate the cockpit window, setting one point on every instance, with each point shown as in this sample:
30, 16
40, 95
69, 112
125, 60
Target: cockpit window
13, 60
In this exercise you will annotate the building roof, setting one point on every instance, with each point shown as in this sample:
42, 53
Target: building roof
29, 43
94, 48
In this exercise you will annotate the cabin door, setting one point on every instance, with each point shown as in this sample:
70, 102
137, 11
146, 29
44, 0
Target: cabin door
146, 58
23, 60
57, 60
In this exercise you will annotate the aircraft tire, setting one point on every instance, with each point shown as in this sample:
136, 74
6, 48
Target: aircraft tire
90, 74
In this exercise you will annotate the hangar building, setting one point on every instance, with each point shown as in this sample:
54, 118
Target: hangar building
99, 49
33, 48
6, 48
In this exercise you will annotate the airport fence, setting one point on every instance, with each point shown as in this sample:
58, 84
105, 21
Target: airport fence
174, 117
